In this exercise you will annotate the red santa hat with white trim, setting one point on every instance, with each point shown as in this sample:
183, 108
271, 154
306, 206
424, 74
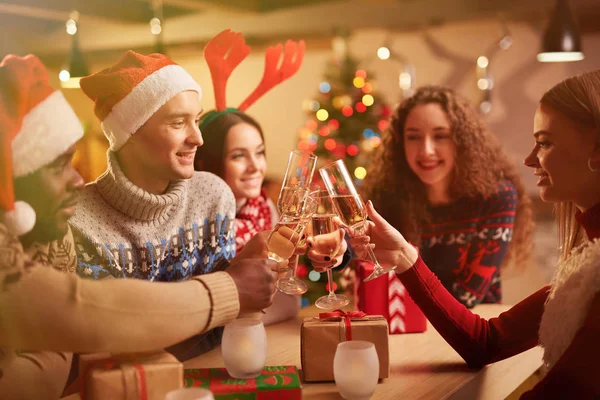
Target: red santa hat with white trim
127, 94
37, 125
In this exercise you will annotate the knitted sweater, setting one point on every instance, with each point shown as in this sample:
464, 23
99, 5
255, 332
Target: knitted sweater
466, 241
45, 309
41, 374
122, 231
563, 317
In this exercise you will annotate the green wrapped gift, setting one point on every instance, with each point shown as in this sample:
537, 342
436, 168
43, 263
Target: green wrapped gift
281, 382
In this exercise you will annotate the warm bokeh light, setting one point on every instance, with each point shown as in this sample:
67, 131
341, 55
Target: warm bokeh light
322, 115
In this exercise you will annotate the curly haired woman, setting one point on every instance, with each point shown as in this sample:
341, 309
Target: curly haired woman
442, 179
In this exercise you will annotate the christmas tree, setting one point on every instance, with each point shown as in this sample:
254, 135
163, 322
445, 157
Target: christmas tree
346, 117
345, 121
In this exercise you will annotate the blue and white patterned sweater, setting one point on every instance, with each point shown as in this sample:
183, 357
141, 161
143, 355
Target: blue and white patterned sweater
122, 231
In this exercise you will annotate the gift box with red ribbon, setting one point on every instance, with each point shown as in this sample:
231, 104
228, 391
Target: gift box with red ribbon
319, 337
129, 377
387, 296
280, 382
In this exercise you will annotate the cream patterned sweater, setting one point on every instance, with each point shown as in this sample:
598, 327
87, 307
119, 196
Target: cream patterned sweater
122, 231
46, 310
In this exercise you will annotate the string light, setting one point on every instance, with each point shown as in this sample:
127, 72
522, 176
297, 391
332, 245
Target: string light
367, 88
324, 131
483, 84
311, 124
322, 114
77, 68
324, 87
155, 26
360, 173
383, 53
361, 73
358, 82
71, 24
338, 102
368, 100
485, 80
483, 62
314, 276
360, 107
330, 144
352, 150
64, 75
347, 111
383, 124
334, 124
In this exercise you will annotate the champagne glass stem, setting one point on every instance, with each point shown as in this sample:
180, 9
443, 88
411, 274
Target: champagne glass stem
360, 231
293, 265
330, 281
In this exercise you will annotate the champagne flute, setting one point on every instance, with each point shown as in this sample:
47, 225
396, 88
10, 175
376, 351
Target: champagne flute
349, 207
293, 209
322, 223
296, 184
284, 239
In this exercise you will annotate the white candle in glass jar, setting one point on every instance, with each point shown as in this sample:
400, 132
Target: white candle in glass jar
356, 369
190, 394
244, 348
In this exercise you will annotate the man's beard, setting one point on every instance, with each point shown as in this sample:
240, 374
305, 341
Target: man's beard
47, 230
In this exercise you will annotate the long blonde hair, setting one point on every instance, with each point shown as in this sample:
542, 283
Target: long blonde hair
577, 98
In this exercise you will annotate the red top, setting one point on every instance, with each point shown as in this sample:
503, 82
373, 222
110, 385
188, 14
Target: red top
479, 342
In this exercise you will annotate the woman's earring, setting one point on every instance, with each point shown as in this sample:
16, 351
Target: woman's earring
590, 166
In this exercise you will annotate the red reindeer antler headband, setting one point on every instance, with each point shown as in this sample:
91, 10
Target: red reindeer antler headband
228, 49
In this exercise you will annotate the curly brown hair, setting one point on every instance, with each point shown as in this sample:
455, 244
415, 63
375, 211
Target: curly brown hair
481, 164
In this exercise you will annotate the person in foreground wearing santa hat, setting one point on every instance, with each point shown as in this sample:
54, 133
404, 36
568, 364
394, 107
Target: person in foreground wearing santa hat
150, 216
52, 313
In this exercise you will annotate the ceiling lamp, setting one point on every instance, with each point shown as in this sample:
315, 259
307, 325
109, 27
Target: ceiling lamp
562, 41
77, 67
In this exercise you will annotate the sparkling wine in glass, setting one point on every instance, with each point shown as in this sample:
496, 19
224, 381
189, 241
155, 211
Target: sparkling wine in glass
349, 207
295, 208
277, 241
322, 224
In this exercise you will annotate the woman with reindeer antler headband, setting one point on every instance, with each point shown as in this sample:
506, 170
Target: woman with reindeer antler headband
234, 147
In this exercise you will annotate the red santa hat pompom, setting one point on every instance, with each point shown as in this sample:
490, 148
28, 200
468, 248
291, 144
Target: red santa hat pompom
130, 92
36, 124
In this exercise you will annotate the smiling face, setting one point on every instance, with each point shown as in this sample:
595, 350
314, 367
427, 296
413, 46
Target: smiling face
163, 149
560, 159
52, 192
429, 146
244, 164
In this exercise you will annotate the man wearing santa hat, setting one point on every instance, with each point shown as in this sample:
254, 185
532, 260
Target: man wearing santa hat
150, 216
49, 312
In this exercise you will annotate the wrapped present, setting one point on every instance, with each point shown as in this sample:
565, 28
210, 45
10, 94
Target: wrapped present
319, 337
147, 376
387, 296
273, 383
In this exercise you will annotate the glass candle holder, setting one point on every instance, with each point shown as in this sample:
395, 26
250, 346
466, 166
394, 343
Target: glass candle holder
190, 394
356, 369
244, 348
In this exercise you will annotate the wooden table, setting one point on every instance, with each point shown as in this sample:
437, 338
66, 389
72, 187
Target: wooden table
422, 365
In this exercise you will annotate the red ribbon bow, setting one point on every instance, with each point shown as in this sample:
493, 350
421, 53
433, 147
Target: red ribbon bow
346, 316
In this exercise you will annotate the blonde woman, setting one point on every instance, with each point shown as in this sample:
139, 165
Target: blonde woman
564, 316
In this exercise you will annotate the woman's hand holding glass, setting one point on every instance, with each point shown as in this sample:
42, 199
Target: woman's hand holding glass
327, 250
389, 245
